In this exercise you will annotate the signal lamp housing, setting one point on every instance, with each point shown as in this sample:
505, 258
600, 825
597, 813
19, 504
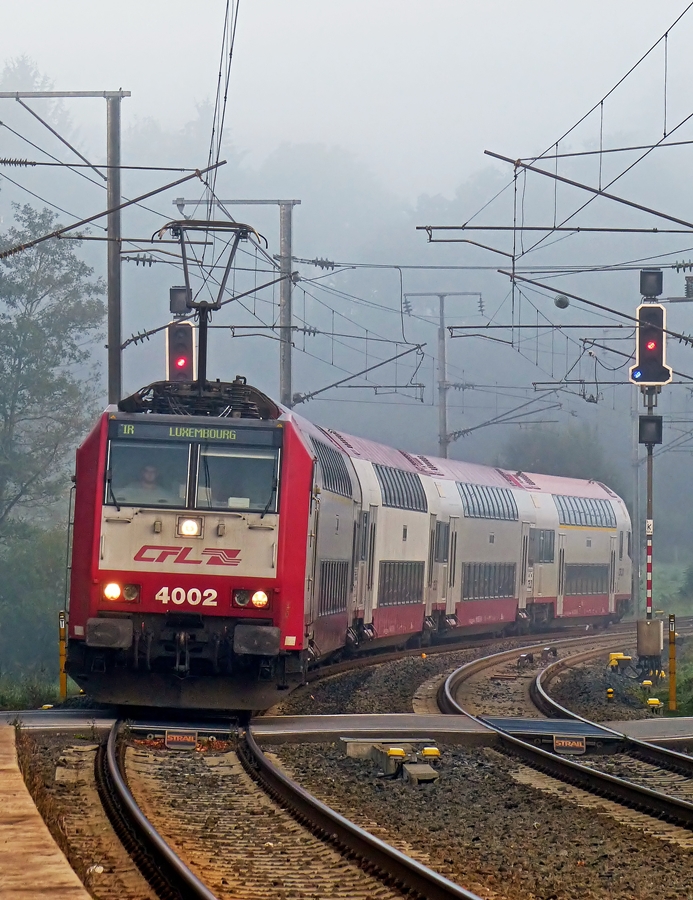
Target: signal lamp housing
651, 282
180, 352
650, 430
650, 347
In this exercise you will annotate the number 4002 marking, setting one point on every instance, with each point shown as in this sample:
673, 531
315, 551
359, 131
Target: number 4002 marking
193, 596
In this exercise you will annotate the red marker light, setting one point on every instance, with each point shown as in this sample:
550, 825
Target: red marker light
651, 345
181, 362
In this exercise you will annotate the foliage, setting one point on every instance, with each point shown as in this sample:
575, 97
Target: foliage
686, 589
28, 692
32, 591
573, 452
50, 311
684, 678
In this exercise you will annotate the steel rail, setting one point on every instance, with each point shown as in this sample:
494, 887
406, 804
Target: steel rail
623, 791
669, 759
388, 862
176, 879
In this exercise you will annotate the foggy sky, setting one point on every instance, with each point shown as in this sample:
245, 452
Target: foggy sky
416, 90
360, 109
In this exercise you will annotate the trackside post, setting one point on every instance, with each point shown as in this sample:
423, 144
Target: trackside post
62, 649
672, 663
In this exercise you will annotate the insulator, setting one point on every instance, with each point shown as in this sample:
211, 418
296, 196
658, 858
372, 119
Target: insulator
323, 263
16, 162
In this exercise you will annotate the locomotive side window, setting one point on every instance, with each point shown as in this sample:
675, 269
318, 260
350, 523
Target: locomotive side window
237, 478
143, 473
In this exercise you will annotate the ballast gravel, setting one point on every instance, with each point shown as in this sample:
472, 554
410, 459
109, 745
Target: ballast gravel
382, 688
582, 689
482, 829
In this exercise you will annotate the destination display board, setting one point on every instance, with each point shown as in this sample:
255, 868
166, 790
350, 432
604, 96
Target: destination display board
215, 432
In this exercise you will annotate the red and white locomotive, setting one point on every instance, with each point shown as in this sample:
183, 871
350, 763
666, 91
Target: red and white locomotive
223, 544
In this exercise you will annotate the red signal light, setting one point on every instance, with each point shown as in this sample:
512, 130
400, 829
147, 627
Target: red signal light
180, 352
651, 345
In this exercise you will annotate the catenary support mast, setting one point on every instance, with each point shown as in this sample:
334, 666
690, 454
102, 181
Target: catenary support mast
115, 377
112, 99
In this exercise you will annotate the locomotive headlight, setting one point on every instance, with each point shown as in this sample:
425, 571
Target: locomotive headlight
189, 526
241, 598
131, 592
260, 599
112, 591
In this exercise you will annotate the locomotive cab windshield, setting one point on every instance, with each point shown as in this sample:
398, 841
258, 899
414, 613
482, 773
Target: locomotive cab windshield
147, 473
238, 469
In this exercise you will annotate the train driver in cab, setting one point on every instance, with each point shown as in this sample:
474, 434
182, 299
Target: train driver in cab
148, 489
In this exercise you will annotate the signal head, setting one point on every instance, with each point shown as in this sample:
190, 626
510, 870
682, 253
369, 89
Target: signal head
180, 352
651, 282
650, 346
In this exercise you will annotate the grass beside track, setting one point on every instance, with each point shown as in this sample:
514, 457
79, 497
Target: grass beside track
30, 691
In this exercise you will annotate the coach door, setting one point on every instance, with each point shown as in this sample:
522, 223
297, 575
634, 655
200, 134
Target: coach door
452, 567
432, 580
369, 567
526, 570
560, 577
612, 574
312, 587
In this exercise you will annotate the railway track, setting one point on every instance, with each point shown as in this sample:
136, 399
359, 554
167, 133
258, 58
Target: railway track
383, 877
671, 760
167, 874
242, 824
644, 795
512, 682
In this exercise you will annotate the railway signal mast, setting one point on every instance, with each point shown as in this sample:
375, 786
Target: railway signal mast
650, 372
180, 359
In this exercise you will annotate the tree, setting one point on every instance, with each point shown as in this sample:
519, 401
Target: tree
32, 591
50, 312
574, 452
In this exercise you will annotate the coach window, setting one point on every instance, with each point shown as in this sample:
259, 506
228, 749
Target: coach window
238, 478
442, 541
364, 536
146, 473
541, 545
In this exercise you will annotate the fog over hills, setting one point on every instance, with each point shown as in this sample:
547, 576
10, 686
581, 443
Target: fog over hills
375, 116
